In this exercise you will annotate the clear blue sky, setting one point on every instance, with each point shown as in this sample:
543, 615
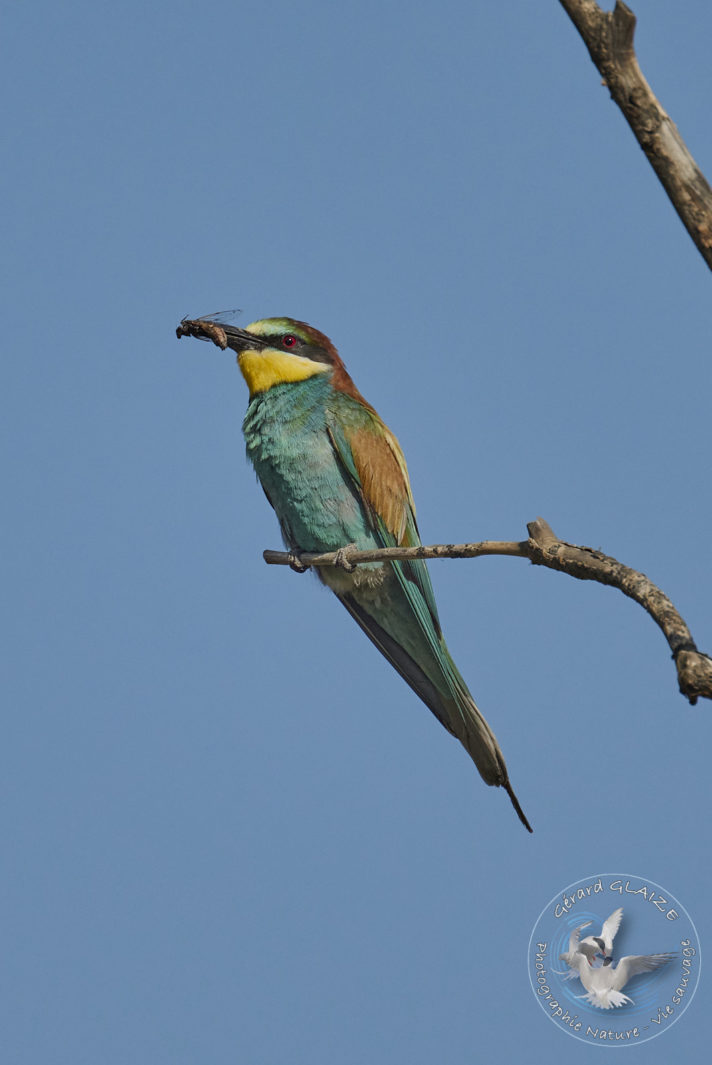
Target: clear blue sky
230, 833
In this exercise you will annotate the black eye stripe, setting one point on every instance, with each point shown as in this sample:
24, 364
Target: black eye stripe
297, 345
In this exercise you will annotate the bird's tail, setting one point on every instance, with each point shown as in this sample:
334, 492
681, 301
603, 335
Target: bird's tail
426, 665
474, 733
606, 999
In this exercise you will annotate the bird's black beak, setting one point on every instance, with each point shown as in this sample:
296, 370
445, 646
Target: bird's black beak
225, 336
240, 340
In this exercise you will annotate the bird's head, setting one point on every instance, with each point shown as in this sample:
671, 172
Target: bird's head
606, 959
276, 351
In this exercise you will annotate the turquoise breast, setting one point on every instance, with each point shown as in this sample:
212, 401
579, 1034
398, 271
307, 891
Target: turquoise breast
289, 446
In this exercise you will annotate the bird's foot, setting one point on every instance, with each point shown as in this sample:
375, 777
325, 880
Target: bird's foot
296, 564
341, 557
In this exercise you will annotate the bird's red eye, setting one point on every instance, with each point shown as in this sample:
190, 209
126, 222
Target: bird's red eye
289, 341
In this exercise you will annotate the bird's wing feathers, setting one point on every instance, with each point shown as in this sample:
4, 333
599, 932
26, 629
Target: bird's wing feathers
610, 927
574, 937
570, 957
633, 964
371, 457
374, 461
383, 479
399, 658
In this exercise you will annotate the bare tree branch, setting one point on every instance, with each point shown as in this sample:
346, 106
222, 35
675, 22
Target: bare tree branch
608, 35
694, 669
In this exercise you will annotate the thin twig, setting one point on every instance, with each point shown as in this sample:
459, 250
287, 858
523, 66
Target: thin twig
543, 548
516, 548
608, 35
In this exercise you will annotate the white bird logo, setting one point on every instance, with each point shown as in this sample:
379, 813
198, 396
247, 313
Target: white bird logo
604, 942
591, 945
604, 983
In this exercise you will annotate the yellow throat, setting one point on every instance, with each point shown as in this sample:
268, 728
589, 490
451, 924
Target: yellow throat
268, 367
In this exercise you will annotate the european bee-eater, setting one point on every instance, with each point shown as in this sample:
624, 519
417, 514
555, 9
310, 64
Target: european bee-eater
336, 476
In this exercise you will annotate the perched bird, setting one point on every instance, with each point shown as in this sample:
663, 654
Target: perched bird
336, 476
604, 985
604, 942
